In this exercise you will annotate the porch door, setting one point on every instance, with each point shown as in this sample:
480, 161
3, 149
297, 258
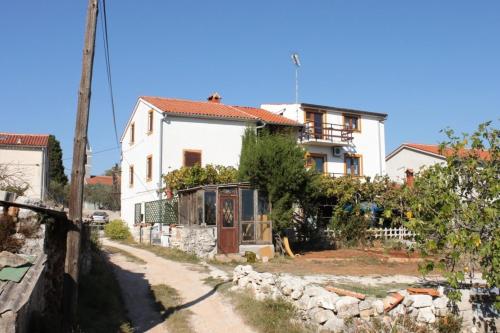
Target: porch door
315, 120
228, 222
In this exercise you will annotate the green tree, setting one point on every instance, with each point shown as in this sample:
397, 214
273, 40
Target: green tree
102, 196
197, 175
56, 167
275, 163
456, 207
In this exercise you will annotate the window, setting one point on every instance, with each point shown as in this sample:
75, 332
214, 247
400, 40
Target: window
352, 165
317, 161
149, 168
314, 123
247, 215
352, 122
150, 121
131, 175
192, 157
132, 133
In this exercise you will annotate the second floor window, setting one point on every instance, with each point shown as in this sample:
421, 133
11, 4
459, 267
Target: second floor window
352, 122
131, 175
150, 121
314, 121
191, 158
149, 168
352, 165
132, 133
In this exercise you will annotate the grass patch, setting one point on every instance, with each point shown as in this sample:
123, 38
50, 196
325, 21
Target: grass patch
268, 316
128, 255
168, 302
168, 253
100, 305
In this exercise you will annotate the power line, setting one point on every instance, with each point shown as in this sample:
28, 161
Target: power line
96, 152
104, 25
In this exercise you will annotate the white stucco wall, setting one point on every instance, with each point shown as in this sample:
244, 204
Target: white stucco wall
218, 140
408, 158
370, 142
30, 165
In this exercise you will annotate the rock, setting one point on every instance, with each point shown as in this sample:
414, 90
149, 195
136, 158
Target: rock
441, 312
425, 315
314, 291
441, 290
322, 316
335, 325
421, 301
296, 294
254, 276
440, 302
265, 259
289, 284
243, 282
378, 306
365, 305
347, 307
366, 313
399, 310
325, 301
408, 301
303, 303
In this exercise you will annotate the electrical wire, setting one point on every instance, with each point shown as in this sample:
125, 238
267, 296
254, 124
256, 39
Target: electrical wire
104, 25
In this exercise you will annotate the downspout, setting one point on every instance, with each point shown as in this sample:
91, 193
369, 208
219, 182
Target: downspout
160, 169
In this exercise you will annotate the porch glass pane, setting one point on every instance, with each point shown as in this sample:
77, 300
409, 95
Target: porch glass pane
247, 205
262, 208
210, 208
248, 232
264, 232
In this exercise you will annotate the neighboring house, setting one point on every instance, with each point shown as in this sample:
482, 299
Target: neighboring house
25, 157
97, 180
339, 141
164, 134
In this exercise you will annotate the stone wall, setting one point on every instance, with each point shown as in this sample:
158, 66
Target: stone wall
201, 241
331, 312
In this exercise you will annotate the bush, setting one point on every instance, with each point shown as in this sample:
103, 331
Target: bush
197, 175
117, 230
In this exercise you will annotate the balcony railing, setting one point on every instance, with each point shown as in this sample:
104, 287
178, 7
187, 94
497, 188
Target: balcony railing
333, 133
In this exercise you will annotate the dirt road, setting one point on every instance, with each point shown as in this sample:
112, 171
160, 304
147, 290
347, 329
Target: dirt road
211, 312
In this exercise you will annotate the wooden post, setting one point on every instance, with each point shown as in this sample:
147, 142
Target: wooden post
71, 268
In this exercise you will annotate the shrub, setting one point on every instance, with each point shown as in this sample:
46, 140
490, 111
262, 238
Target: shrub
187, 177
117, 230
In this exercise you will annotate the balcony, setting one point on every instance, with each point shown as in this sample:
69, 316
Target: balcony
325, 134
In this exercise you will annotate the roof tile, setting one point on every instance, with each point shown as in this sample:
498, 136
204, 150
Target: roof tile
32, 140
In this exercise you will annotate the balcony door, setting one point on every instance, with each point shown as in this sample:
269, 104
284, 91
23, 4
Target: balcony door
315, 123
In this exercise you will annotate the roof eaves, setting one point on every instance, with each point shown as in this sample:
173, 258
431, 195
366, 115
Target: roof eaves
345, 110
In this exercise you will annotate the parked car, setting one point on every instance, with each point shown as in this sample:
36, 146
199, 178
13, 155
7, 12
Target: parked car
100, 217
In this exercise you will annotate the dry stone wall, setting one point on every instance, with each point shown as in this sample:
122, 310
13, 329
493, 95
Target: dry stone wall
331, 312
201, 241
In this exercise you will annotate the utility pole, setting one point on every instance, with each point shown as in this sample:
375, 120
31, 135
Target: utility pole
73, 239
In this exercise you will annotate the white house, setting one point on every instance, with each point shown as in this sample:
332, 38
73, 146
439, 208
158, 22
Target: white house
24, 157
339, 141
164, 134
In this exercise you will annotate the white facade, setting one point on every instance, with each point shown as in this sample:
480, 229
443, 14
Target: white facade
27, 165
218, 140
407, 158
368, 143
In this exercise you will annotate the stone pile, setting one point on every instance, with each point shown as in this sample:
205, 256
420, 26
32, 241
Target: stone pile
330, 311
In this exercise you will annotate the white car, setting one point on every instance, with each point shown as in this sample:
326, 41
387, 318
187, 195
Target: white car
100, 217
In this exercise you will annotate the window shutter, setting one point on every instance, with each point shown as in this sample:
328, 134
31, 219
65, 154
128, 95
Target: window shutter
191, 158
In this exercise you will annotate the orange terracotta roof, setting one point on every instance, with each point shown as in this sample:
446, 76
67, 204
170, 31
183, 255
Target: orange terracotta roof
102, 180
434, 149
31, 140
216, 110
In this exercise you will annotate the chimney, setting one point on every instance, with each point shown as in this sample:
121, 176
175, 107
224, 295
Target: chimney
214, 98
410, 178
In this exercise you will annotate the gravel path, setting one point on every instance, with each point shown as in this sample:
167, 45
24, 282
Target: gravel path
211, 312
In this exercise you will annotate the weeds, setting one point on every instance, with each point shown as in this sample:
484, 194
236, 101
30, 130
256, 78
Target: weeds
169, 304
267, 316
168, 253
100, 306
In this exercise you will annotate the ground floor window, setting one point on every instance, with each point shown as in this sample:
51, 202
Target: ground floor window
352, 165
317, 162
255, 222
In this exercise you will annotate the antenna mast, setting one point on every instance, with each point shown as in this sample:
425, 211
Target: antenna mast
296, 61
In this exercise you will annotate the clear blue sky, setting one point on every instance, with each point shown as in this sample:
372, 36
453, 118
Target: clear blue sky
428, 64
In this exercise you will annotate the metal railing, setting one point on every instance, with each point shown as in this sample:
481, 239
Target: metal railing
326, 132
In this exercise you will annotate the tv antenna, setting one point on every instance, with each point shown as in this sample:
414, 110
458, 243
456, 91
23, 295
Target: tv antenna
296, 61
